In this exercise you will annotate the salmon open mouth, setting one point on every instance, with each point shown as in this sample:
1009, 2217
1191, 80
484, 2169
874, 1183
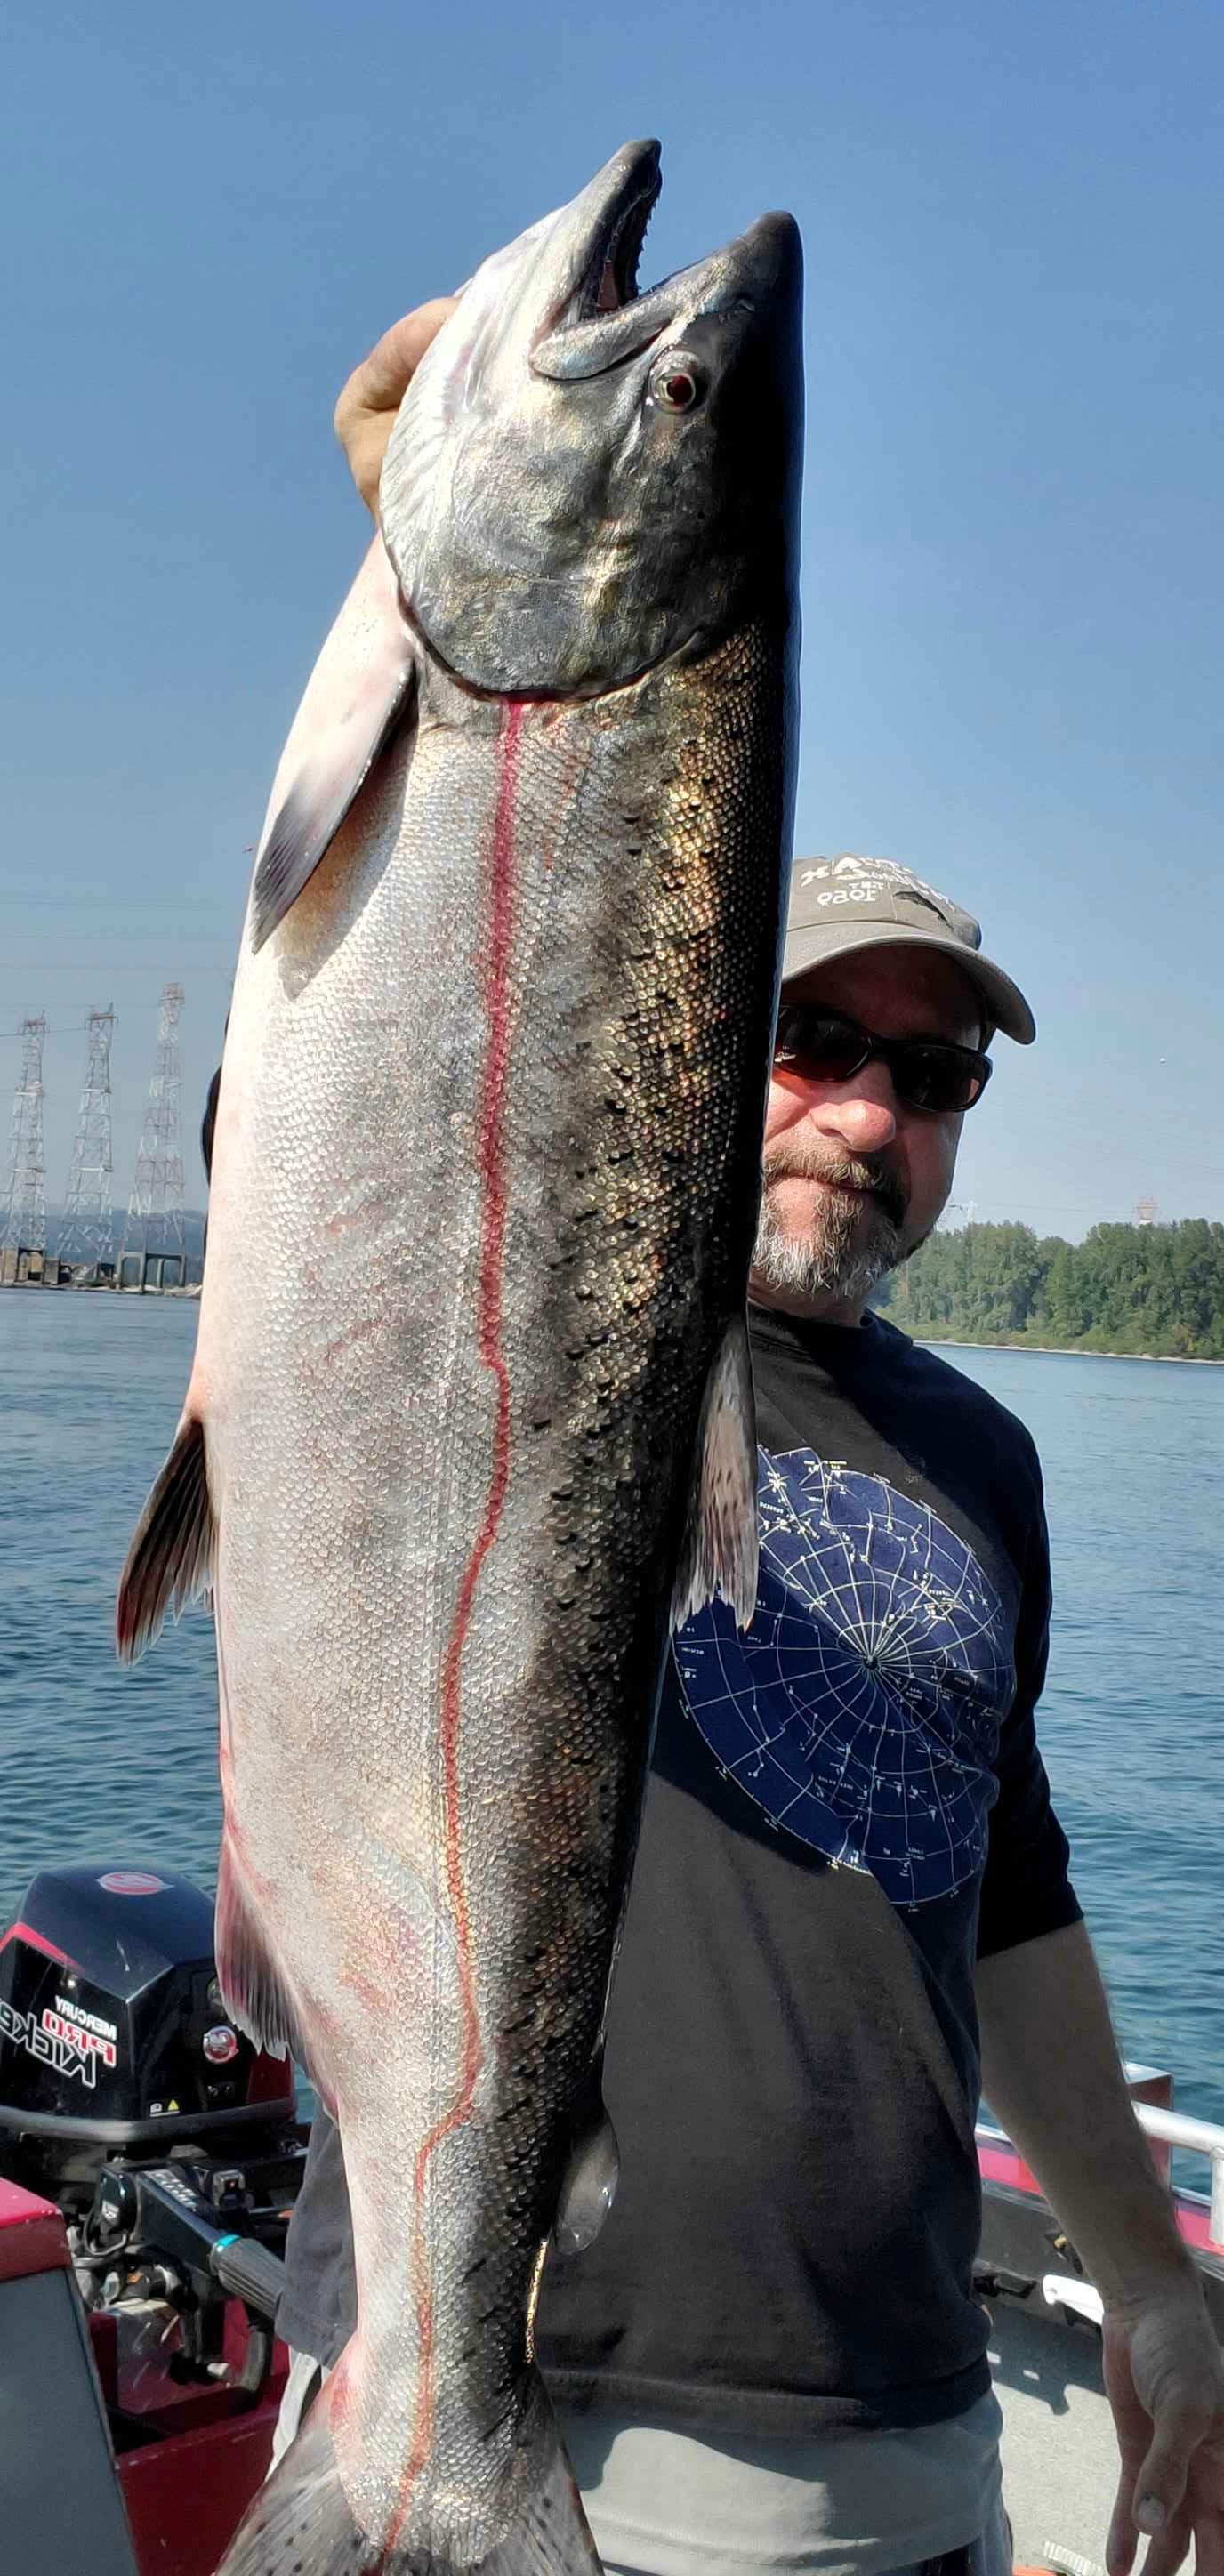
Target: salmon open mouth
612, 278
604, 320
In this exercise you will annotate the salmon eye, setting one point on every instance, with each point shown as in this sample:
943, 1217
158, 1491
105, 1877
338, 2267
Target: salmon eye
677, 381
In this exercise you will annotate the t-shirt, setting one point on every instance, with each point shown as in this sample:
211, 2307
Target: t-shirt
858, 2504
847, 1805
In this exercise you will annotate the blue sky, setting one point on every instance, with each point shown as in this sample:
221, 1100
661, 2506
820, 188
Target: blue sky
1013, 541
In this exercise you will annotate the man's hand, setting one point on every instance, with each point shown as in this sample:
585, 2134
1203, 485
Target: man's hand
1051, 2072
366, 411
1165, 2382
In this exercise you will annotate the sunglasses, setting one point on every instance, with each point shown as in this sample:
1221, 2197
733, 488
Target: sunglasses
927, 1073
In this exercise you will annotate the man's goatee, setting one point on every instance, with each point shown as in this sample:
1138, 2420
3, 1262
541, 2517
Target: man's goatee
853, 1243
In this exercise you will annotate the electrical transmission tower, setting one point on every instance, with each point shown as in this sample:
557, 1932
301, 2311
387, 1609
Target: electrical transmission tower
154, 1232
87, 1231
25, 1211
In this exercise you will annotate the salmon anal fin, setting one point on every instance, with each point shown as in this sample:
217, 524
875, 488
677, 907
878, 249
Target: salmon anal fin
250, 1981
170, 1560
720, 1549
357, 694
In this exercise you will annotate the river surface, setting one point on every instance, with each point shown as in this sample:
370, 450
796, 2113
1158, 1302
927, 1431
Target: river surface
121, 1766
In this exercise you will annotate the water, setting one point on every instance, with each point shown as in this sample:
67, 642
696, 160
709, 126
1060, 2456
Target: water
121, 1766
98, 1762
1132, 1722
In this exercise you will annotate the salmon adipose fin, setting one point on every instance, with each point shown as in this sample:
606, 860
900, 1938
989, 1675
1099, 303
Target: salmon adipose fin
356, 696
720, 1547
301, 2522
170, 1560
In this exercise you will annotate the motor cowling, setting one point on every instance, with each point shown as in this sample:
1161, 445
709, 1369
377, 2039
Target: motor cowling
113, 2031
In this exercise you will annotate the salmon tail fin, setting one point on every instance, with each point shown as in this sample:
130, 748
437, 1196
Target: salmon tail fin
719, 1551
550, 2535
170, 1560
302, 2519
302, 2524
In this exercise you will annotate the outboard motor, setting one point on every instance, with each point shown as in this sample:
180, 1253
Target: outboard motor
171, 2145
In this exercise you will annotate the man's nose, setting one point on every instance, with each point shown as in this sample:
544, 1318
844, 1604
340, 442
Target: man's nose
863, 1111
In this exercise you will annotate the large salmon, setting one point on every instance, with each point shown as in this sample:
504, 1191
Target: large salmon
470, 1421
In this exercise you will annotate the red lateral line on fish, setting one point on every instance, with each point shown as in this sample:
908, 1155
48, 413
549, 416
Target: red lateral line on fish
491, 1159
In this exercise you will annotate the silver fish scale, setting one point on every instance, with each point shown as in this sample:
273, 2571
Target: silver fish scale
397, 1316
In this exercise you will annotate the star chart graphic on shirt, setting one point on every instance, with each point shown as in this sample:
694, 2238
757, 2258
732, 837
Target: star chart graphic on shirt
861, 1709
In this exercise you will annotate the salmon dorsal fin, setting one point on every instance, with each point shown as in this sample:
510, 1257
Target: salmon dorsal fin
170, 1560
719, 1553
358, 693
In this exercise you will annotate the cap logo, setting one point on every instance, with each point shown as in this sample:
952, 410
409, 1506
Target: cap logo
877, 890
868, 876
850, 902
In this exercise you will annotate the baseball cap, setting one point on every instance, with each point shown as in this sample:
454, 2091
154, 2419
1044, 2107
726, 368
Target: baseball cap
840, 906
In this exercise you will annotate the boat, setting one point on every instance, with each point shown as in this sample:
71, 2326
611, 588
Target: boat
1060, 2460
149, 2162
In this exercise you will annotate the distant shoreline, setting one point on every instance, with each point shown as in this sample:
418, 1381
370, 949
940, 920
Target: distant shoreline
1064, 1350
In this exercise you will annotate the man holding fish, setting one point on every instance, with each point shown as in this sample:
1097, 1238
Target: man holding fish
698, 2491
765, 2350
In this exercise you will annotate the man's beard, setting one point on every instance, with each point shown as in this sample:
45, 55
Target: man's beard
853, 1242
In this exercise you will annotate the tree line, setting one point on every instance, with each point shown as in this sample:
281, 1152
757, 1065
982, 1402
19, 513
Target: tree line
1138, 1289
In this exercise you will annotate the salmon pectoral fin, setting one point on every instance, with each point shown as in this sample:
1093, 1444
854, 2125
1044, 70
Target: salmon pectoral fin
302, 2519
357, 695
719, 1552
170, 1560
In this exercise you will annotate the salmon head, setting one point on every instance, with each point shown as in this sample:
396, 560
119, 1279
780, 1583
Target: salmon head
585, 481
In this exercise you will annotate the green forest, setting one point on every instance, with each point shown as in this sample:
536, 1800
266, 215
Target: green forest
1137, 1289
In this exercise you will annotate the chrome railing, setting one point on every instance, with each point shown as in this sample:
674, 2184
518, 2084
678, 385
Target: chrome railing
1168, 2129
1202, 2138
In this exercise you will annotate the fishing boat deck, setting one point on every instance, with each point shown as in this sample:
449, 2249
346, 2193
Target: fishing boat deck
1060, 2459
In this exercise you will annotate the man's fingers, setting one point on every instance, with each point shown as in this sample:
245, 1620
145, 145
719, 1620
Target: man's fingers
1169, 2549
371, 398
1161, 2483
1208, 2527
382, 380
1123, 2541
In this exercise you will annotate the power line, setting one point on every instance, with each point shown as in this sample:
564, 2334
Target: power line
106, 903
72, 1028
71, 965
92, 939
1076, 1207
